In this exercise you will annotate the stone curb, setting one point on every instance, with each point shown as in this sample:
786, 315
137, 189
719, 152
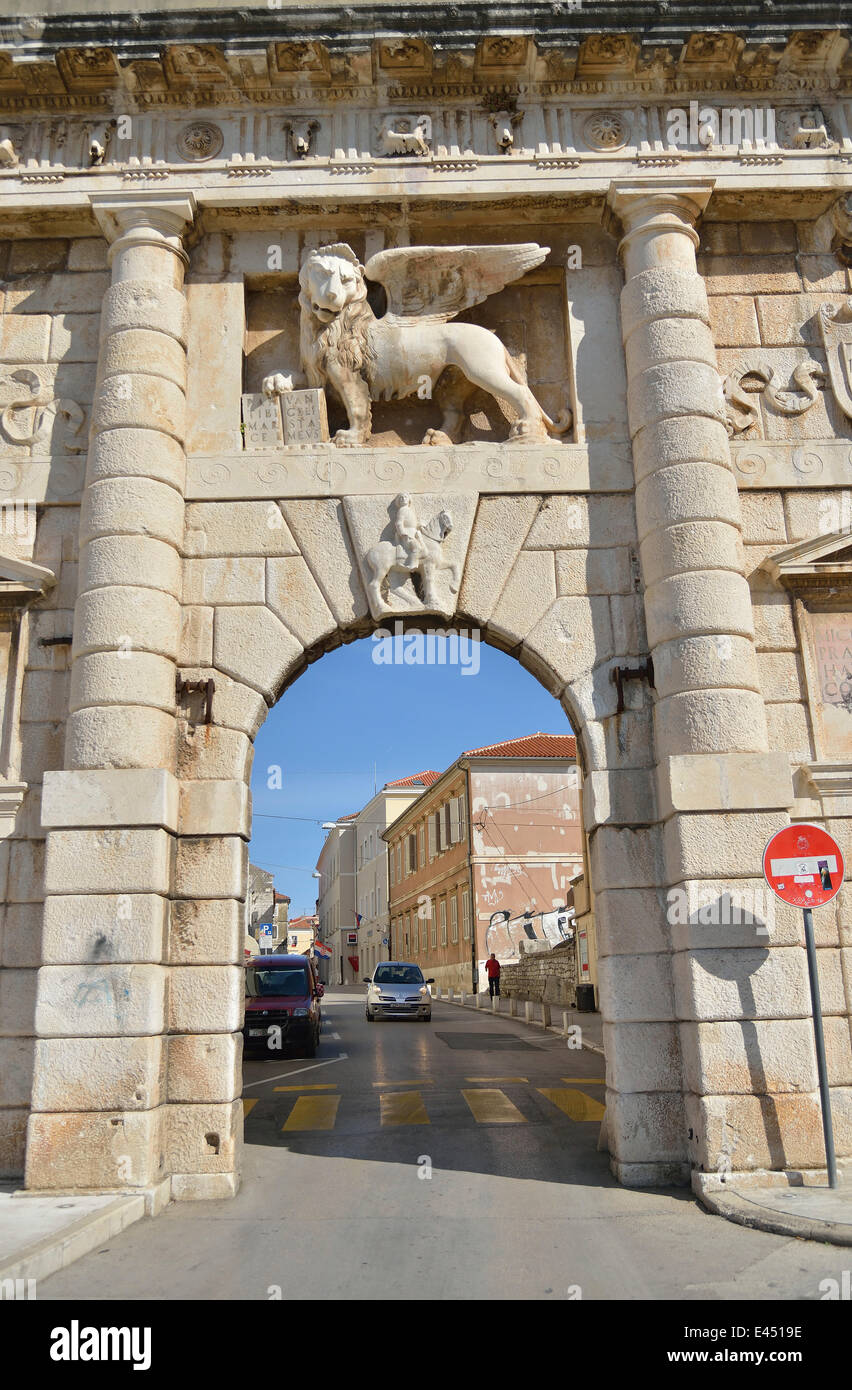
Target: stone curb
517, 1018
44, 1257
736, 1208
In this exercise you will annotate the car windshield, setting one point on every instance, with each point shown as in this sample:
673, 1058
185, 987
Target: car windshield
398, 975
261, 981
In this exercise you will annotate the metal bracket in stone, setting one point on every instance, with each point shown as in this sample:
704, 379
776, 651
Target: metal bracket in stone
620, 674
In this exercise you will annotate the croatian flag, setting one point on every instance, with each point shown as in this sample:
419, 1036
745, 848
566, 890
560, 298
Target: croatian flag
321, 950
357, 919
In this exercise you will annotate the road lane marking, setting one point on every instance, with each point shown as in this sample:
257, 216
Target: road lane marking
575, 1104
283, 1075
503, 1080
248, 1105
313, 1112
585, 1080
493, 1108
310, 1086
403, 1108
417, 1081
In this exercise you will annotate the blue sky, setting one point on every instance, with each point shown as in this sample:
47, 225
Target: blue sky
345, 713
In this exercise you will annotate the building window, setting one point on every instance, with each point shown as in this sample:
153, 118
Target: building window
407, 929
432, 845
422, 849
391, 866
434, 920
424, 927
442, 908
466, 914
399, 862
454, 918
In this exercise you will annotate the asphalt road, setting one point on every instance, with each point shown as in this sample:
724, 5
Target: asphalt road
453, 1160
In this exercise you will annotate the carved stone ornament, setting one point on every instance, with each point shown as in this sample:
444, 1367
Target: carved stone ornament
363, 359
200, 140
300, 136
606, 130
406, 135
28, 418
415, 549
754, 376
836, 327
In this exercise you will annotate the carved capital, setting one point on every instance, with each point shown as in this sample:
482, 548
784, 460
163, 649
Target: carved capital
133, 219
634, 209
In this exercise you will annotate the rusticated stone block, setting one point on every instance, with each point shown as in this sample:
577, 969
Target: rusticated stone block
99, 1073
100, 1001
205, 1068
104, 1149
203, 1138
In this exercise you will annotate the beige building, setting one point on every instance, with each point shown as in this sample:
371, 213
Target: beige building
335, 875
497, 835
371, 883
645, 500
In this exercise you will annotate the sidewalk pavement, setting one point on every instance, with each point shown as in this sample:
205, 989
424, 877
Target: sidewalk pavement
553, 1017
810, 1209
40, 1234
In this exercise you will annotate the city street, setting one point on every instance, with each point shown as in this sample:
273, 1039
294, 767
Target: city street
451, 1160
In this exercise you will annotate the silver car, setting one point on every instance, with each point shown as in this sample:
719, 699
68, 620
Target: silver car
398, 990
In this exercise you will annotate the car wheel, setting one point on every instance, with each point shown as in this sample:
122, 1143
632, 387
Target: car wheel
371, 1018
311, 1046
427, 1018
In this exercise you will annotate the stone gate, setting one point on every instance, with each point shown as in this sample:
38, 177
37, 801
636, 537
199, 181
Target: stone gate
181, 537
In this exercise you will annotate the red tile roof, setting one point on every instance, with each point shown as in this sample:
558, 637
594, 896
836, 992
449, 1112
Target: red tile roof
424, 779
530, 746
353, 815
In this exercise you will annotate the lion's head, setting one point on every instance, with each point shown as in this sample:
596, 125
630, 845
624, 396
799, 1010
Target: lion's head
331, 279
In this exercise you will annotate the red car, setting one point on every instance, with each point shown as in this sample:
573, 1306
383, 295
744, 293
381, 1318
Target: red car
283, 996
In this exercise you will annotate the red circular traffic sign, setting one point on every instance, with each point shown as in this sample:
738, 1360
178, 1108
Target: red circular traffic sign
803, 865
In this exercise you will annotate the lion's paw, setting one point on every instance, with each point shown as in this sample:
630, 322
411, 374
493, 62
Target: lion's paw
529, 432
437, 437
277, 385
349, 439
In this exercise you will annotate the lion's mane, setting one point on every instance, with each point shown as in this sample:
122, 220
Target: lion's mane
345, 339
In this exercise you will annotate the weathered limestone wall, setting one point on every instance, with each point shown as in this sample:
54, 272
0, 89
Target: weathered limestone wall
548, 976
51, 297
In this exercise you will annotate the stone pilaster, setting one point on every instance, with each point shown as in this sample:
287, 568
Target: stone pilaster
112, 815
720, 791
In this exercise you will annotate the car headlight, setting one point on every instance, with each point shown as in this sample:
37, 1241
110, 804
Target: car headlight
424, 989
300, 1013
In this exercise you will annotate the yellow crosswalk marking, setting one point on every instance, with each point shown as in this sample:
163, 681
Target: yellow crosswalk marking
501, 1080
403, 1108
574, 1104
493, 1107
325, 1086
249, 1105
417, 1081
313, 1112
585, 1080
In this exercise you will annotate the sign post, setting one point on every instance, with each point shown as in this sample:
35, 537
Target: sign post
803, 866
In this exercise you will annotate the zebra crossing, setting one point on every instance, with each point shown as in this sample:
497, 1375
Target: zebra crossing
318, 1105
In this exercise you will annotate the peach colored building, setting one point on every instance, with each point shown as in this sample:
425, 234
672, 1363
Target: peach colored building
499, 831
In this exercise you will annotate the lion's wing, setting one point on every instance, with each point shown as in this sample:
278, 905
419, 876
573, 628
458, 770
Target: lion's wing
438, 282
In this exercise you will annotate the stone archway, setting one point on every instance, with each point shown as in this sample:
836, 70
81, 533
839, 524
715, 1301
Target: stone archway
241, 573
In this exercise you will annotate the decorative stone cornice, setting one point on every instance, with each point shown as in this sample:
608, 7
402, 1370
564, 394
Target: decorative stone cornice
633, 208
208, 57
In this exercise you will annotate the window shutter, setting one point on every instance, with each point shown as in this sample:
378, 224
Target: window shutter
432, 849
454, 918
455, 821
422, 854
443, 921
466, 914
448, 838
412, 850
390, 867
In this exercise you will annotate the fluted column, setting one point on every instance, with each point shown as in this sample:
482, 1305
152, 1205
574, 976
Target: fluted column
112, 815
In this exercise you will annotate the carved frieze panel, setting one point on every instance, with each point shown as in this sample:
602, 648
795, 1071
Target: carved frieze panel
411, 549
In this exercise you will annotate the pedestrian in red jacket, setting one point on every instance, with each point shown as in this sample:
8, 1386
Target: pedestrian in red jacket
492, 970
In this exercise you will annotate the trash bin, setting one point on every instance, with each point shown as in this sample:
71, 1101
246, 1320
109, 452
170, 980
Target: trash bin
585, 999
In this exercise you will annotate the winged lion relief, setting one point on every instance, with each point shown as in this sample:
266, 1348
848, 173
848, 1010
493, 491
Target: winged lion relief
360, 358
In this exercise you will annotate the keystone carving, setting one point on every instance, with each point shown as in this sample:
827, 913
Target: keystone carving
414, 551
755, 376
347, 350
